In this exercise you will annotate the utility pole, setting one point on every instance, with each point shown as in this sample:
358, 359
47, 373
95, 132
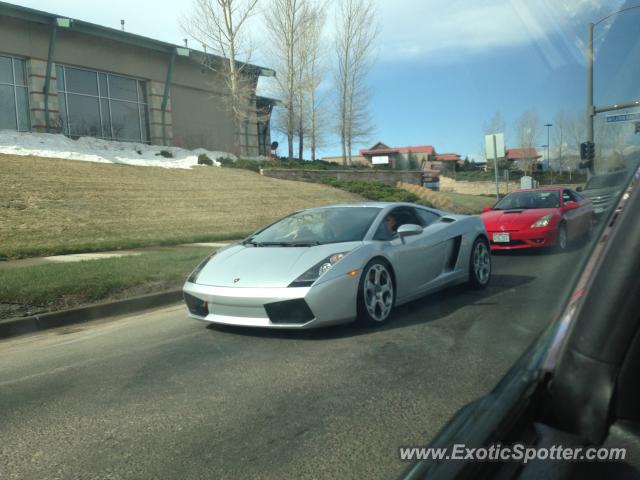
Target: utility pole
491, 143
495, 160
548, 125
590, 108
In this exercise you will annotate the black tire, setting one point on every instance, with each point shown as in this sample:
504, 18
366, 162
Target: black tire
480, 264
562, 240
376, 294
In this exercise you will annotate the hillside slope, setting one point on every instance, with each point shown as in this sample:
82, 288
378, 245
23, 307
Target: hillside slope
50, 206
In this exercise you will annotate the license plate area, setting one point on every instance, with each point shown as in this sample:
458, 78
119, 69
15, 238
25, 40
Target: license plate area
501, 237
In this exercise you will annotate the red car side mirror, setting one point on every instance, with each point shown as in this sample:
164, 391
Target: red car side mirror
570, 205
486, 209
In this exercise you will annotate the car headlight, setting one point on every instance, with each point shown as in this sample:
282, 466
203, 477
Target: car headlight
315, 272
194, 275
542, 221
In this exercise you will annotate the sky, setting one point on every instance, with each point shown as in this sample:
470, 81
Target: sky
443, 68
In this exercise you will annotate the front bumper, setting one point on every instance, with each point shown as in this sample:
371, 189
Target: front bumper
329, 303
529, 238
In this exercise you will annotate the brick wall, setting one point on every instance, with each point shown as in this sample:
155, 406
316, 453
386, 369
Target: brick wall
390, 177
474, 188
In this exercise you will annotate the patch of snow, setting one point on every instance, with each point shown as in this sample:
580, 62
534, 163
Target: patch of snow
91, 149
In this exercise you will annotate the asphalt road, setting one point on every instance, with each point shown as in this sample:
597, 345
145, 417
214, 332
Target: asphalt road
157, 395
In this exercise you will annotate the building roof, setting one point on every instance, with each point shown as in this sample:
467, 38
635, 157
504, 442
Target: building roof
46, 18
382, 148
447, 157
522, 153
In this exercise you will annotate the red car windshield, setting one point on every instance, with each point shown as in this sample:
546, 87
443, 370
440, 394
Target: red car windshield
529, 200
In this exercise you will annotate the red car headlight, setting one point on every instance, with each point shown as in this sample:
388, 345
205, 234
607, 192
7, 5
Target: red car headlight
542, 221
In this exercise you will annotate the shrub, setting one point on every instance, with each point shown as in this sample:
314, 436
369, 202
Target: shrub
225, 161
165, 154
376, 191
256, 165
203, 159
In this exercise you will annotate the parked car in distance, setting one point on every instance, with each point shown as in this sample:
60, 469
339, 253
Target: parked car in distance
536, 218
603, 190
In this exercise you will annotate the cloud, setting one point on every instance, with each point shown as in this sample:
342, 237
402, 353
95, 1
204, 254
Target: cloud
438, 30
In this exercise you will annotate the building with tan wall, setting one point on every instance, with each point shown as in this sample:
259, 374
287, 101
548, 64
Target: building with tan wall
62, 75
382, 154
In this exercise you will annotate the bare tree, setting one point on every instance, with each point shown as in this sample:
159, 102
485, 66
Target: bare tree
308, 75
287, 21
560, 139
527, 132
356, 32
219, 25
495, 125
576, 133
610, 140
313, 74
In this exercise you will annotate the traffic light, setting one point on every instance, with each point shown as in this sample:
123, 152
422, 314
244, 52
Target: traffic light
587, 154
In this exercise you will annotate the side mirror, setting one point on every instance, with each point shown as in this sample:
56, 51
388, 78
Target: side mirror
486, 209
570, 205
409, 229
579, 189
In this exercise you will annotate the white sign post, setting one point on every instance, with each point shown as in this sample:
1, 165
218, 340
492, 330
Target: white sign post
380, 160
494, 148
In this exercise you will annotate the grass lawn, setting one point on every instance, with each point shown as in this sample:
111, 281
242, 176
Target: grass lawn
53, 206
450, 202
470, 203
43, 288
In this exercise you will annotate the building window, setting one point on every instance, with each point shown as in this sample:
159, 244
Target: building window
14, 97
263, 135
103, 105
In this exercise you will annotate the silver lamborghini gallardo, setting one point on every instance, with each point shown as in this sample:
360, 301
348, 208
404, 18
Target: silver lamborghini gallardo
334, 264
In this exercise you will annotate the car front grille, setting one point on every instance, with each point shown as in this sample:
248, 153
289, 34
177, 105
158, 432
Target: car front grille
196, 306
602, 201
289, 311
512, 243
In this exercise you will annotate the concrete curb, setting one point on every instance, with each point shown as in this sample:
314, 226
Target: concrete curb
13, 327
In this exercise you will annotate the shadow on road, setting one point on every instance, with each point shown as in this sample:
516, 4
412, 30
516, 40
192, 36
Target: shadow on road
427, 309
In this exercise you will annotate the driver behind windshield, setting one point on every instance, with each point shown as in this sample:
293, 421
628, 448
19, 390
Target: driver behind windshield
388, 228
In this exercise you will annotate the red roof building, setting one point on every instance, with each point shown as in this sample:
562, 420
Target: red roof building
447, 157
376, 154
522, 154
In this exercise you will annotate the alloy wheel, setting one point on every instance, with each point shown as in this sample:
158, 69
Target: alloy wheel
482, 263
378, 292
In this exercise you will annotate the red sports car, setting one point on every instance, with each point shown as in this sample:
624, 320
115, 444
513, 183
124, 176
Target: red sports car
542, 217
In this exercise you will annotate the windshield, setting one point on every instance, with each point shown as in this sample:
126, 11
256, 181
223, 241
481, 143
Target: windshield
318, 226
606, 181
529, 200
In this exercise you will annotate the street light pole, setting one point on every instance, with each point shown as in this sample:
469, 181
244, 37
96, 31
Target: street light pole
548, 125
590, 109
546, 153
